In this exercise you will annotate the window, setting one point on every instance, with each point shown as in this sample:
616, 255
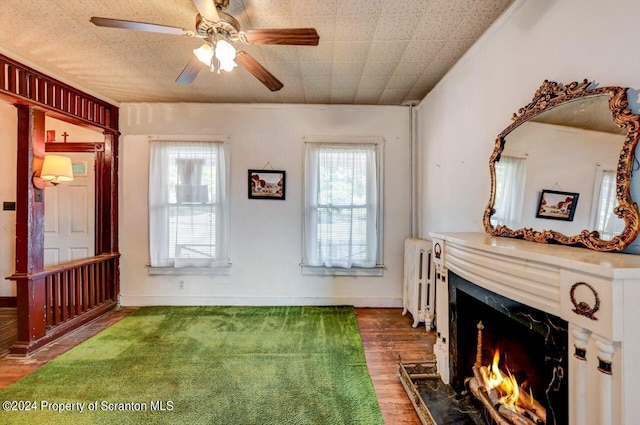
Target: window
188, 206
604, 219
510, 181
343, 225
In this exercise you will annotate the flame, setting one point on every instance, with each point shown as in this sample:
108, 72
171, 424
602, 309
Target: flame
507, 386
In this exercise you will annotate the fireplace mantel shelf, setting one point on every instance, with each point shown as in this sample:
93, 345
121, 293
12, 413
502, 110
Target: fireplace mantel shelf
596, 293
614, 265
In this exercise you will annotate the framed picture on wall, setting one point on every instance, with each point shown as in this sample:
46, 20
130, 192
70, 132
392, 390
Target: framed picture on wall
267, 184
557, 205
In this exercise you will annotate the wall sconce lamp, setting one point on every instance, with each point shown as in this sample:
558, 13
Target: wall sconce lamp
55, 170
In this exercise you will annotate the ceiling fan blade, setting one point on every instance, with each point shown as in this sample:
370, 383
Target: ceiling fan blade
207, 10
290, 36
139, 26
190, 72
260, 72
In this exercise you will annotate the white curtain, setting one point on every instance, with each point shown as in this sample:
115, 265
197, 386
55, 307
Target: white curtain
510, 181
188, 205
606, 222
341, 205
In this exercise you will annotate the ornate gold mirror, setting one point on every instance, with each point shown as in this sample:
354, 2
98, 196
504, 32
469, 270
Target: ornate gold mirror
561, 171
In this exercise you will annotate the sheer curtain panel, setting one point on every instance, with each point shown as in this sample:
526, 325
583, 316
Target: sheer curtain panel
510, 181
341, 205
188, 205
606, 221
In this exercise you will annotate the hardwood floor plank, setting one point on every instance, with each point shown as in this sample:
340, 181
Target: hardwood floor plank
386, 336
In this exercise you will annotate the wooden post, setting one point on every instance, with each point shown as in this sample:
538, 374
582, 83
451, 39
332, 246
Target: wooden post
107, 203
29, 230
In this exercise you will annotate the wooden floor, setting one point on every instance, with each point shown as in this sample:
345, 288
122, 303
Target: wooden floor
386, 335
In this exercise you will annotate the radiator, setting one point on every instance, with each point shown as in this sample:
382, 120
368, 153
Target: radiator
418, 292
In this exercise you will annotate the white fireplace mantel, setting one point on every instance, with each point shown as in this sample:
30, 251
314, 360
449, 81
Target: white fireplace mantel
596, 293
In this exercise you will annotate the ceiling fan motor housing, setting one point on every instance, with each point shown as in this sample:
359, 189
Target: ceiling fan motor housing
221, 4
227, 25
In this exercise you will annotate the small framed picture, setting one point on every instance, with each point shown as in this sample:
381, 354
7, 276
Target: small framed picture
267, 184
79, 168
557, 205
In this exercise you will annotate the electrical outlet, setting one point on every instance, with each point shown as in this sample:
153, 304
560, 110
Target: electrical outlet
181, 284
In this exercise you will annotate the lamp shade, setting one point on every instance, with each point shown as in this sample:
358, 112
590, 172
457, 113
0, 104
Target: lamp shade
204, 54
226, 53
56, 169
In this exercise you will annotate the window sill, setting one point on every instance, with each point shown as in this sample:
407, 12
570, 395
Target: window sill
199, 271
376, 271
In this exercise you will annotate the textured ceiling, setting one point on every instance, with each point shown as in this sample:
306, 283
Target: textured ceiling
371, 51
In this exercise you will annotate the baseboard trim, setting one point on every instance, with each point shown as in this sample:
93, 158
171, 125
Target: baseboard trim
8, 302
142, 300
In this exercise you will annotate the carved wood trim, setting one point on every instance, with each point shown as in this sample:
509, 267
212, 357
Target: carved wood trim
437, 250
35, 94
582, 307
549, 95
21, 84
82, 147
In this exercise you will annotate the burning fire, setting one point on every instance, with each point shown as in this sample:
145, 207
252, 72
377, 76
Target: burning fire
508, 386
504, 394
504, 399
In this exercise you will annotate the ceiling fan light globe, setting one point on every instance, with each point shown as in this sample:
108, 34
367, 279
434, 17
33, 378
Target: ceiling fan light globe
204, 54
228, 65
225, 52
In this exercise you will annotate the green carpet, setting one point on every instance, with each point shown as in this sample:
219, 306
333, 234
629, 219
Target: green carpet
207, 365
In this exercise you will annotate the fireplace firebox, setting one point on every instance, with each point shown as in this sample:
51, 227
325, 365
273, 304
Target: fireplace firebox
532, 344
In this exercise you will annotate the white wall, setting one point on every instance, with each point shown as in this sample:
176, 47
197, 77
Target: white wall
558, 40
9, 146
265, 234
8, 158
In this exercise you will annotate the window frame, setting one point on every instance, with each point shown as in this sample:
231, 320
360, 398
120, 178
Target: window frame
225, 267
378, 269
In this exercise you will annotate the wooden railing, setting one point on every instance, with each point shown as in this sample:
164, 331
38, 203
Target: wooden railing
72, 294
74, 288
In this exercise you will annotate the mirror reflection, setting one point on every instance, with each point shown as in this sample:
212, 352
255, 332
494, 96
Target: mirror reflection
572, 148
561, 172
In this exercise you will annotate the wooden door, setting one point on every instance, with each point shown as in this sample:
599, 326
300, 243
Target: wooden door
69, 214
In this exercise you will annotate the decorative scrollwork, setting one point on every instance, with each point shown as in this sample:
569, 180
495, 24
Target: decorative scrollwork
549, 95
437, 250
583, 308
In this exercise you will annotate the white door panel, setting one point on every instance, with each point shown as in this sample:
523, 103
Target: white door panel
69, 215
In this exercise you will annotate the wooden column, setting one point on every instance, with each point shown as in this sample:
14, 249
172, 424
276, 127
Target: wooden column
29, 230
107, 194
107, 202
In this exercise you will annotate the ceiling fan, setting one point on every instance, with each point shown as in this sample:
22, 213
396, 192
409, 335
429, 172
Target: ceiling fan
219, 32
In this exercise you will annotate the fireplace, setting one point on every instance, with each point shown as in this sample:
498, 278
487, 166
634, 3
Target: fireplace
532, 344
580, 347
